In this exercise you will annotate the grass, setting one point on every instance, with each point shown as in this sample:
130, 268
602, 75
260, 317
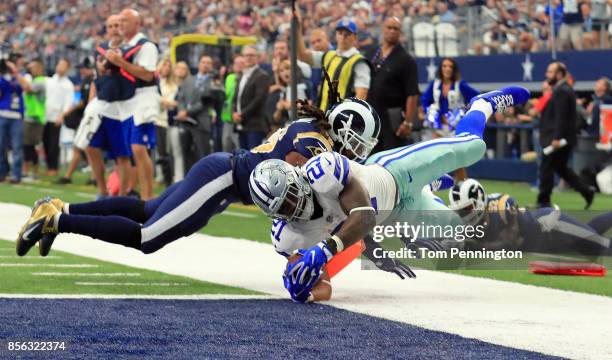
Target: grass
42, 279
245, 222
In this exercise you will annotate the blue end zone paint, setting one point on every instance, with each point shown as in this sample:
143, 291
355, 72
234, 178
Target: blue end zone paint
185, 329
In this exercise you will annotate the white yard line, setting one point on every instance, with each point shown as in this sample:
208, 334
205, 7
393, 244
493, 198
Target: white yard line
238, 214
29, 257
154, 297
79, 274
82, 266
546, 320
108, 283
39, 189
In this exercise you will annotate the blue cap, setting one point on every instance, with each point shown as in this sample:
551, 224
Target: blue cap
348, 25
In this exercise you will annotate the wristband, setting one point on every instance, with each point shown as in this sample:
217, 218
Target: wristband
335, 244
362, 208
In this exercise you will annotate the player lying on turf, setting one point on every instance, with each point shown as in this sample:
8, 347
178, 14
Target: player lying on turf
545, 230
213, 183
340, 201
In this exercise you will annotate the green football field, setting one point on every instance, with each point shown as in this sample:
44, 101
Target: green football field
237, 222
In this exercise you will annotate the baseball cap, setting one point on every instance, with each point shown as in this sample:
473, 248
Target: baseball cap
86, 63
348, 25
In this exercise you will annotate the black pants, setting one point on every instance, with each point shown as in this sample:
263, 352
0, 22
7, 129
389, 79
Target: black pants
162, 158
557, 163
51, 135
196, 144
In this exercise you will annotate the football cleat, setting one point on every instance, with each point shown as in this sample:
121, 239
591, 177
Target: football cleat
505, 97
44, 245
42, 221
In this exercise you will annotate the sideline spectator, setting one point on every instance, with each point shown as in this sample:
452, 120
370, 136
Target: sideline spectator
75, 114
570, 33
59, 97
143, 107
250, 101
181, 74
601, 17
229, 137
168, 89
353, 82
601, 95
558, 123
443, 103
281, 114
34, 121
318, 42
194, 99
11, 120
112, 134
445, 97
395, 88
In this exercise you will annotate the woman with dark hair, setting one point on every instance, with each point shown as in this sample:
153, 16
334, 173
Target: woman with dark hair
445, 98
444, 102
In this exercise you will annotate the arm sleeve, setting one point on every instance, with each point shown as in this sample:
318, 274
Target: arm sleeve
561, 103
411, 78
147, 56
362, 75
317, 59
467, 91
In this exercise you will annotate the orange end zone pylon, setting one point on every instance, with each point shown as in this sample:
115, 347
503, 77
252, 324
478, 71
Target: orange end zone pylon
341, 260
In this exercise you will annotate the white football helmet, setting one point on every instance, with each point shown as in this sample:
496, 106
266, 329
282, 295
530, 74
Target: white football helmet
355, 127
469, 200
279, 190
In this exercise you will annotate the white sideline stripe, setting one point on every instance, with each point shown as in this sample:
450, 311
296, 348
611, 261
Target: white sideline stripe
238, 214
30, 257
550, 321
85, 195
48, 265
131, 296
108, 283
187, 208
39, 189
83, 274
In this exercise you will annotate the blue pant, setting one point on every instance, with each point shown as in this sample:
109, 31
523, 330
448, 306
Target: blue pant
11, 135
250, 139
183, 209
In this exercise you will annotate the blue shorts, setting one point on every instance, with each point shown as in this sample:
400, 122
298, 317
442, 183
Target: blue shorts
114, 137
143, 134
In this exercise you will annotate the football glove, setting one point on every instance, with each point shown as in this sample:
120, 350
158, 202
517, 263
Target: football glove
302, 275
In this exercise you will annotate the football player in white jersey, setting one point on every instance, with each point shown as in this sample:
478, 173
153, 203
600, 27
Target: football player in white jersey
341, 201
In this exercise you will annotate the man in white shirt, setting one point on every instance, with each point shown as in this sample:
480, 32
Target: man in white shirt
354, 82
59, 97
138, 58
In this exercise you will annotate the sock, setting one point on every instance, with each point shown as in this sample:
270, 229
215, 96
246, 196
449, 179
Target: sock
127, 207
112, 229
475, 119
601, 223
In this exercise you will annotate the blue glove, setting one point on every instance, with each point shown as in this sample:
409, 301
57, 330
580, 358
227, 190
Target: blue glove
301, 276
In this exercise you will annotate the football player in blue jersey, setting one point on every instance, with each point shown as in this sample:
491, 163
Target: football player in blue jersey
510, 227
340, 201
213, 183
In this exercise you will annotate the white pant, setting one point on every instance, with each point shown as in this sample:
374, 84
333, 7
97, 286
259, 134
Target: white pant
176, 151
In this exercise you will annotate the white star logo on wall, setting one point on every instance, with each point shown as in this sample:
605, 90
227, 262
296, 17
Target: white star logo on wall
527, 68
431, 70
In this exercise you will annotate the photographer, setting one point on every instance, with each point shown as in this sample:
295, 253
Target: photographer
11, 118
